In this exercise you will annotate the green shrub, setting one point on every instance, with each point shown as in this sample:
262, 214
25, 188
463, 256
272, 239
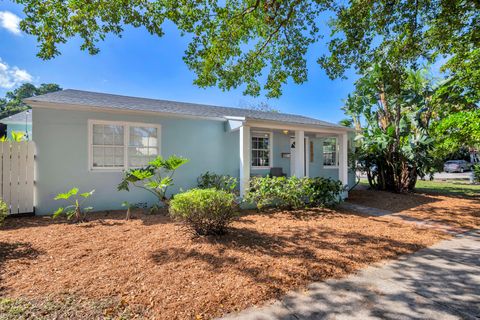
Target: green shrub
205, 211
209, 180
476, 173
3, 211
280, 192
325, 191
293, 192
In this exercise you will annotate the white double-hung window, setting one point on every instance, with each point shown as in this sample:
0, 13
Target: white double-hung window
261, 150
330, 152
122, 145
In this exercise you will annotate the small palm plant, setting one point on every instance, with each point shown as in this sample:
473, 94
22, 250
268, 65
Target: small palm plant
75, 208
156, 177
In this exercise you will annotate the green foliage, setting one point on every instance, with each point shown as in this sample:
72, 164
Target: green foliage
76, 200
156, 177
281, 192
12, 103
476, 173
209, 180
17, 136
393, 110
324, 192
205, 211
3, 211
268, 40
456, 131
293, 192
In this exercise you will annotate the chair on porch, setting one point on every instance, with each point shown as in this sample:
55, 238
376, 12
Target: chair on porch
277, 172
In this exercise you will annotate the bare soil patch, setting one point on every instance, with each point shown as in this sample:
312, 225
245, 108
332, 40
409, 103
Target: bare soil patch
157, 270
461, 212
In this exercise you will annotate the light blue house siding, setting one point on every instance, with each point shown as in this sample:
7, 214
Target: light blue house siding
61, 138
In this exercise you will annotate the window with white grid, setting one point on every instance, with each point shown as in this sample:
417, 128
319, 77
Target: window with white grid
261, 150
142, 146
330, 152
108, 146
122, 145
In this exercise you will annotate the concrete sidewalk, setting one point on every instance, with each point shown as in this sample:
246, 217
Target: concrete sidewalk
440, 282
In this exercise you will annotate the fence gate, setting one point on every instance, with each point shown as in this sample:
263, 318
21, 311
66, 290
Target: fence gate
17, 175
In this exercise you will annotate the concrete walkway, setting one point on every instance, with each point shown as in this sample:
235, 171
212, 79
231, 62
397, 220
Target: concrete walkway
440, 282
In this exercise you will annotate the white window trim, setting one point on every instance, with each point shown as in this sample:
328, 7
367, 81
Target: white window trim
261, 134
126, 132
336, 156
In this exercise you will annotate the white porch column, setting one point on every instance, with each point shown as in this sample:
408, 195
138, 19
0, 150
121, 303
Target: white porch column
299, 154
244, 159
343, 158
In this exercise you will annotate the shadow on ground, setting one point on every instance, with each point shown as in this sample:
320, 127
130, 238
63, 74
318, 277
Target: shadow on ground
16, 251
302, 254
393, 202
442, 282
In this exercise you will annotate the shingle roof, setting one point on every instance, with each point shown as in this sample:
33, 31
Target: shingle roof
18, 117
104, 100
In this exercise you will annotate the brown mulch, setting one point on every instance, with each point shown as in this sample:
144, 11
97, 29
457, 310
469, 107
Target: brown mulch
152, 264
448, 210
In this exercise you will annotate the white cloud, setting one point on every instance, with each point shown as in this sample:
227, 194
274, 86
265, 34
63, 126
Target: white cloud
12, 76
10, 21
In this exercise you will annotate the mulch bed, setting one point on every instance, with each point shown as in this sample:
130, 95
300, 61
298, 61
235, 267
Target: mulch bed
156, 269
459, 212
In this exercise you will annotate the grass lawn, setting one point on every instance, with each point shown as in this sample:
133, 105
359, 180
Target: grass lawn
459, 188
454, 188
150, 267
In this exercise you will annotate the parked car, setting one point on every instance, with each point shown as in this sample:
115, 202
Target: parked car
456, 166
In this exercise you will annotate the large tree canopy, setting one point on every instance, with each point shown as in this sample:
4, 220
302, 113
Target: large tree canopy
458, 130
12, 103
263, 43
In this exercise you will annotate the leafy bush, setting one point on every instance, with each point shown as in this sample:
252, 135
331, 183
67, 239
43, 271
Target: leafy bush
75, 208
476, 173
220, 182
205, 211
281, 192
293, 192
156, 177
3, 211
325, 191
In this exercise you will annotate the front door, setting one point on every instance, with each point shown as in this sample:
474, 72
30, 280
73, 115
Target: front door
306, 150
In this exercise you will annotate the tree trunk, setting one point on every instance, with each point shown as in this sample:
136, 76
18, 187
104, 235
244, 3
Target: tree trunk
129, 214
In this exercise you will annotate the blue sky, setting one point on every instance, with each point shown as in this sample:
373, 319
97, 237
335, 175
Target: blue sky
139, 64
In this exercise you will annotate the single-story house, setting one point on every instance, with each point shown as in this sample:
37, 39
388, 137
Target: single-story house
86, 139
19, 122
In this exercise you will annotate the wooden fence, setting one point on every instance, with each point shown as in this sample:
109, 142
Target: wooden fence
17, 175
